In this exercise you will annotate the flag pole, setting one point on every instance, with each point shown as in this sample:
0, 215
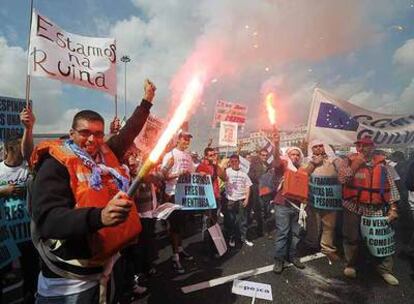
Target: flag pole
28, 55
116, 105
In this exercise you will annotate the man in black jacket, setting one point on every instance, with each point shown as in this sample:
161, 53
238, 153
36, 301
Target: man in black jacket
258, 167
53, 204
409, 183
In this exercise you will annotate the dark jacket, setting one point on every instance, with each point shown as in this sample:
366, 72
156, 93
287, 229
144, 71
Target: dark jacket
53, 202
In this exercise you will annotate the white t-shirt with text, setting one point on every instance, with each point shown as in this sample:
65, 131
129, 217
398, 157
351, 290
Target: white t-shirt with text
237, 184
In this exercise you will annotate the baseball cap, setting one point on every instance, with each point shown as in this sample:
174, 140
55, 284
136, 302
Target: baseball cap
365, 141
185, 134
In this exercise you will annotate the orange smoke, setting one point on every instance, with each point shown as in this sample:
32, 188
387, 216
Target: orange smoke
271, 112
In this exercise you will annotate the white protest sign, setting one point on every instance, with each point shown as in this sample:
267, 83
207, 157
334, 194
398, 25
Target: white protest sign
229, 111
252, 289
218, 238
228, 134
86, 61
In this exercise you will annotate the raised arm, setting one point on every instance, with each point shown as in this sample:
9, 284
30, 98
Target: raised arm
28, 120
120, 142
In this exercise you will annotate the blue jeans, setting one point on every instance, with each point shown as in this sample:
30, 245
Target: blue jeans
287, 231
236, 220
90, 296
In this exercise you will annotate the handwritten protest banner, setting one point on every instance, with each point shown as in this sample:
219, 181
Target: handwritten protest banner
10, 125
86, 61
378, 235
8, 248
325, 192
195, 192
229, 111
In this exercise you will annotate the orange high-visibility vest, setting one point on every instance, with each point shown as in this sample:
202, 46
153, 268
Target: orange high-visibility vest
370, 184
108, 240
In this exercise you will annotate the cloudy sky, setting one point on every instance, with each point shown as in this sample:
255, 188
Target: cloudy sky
359, 50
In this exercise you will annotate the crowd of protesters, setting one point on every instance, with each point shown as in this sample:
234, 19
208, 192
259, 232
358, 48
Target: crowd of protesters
87, 242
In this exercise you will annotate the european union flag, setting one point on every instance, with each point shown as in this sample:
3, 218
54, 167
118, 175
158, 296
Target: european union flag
330, 116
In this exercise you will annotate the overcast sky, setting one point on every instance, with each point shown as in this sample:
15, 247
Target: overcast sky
359, 50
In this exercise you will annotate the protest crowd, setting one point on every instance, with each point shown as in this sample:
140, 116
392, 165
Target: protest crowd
83, 239
81, 215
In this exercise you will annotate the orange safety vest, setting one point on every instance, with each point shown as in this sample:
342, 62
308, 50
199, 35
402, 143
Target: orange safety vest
106, 241
370, 184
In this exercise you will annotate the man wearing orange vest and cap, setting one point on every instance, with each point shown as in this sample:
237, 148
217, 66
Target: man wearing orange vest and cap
369, 192
81, 213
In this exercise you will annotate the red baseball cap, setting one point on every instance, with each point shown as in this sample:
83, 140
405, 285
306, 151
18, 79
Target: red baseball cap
365, 141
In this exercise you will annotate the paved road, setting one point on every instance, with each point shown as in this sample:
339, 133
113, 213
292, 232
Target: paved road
320, 282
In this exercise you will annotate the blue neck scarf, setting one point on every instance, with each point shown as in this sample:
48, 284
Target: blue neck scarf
95, 180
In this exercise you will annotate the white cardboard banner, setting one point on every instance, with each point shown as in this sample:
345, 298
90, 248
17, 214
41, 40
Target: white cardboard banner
252, 289
229, 111
86, 61
228, 134
218, 238
336, 121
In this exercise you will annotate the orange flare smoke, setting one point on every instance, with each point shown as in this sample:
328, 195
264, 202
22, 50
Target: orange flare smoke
271, 112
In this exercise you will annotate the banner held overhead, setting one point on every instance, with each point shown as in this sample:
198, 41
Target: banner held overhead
86, 61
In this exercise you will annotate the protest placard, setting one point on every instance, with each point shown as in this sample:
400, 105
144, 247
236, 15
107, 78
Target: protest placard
218, 239
378, 235
228, 134
230, 112
252, 289
325, 192
149, 135
17, 219
86, 61
10, 125
195, 192
8, 248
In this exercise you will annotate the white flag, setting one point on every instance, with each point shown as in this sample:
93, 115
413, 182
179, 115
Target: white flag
336, 121
86, 61
228, 134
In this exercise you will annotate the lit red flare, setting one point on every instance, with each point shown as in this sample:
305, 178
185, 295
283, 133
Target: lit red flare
271, 112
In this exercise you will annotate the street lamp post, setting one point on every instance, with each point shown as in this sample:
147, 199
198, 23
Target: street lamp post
125, 59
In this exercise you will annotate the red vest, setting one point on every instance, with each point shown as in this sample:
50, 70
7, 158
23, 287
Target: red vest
370, 184
108, 240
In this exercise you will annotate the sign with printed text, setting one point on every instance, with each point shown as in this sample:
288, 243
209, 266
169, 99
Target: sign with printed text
8, 249
10, 125
195, 192
378, 235
230, 112
325, 192
338, 122
86, 61
149, 135
18, 219
252, 289
228, 134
